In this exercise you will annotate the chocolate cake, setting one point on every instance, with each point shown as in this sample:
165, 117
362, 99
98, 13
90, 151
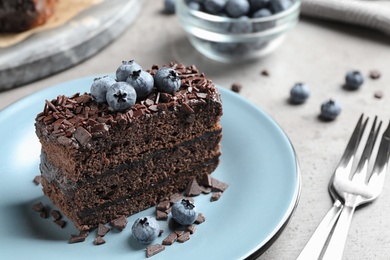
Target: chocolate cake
21, 15
98, 164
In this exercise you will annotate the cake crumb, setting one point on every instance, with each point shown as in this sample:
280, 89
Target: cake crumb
215, 196
119, 223
200, 219
99, 241
184, 237
375, 74
163, 205
56, 214
170, 239
38, 207
265, 73
61, 223
151, 250
378, 94
37, 179
236, 87
102, 230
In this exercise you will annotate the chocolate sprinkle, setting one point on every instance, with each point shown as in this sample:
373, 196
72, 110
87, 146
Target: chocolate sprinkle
152, 250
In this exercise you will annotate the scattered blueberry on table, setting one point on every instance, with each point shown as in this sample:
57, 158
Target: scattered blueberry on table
353, 80
330, 109
299, 93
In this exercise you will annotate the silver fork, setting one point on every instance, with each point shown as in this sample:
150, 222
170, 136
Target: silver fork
360, 188
314, 246
316, 243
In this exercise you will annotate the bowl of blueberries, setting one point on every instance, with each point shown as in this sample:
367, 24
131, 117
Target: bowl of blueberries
237, 30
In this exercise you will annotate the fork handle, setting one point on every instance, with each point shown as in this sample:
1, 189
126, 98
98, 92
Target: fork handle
314, 246
336, 245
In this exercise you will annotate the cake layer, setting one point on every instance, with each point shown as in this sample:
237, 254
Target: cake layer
127, 205
84, 139
139, 174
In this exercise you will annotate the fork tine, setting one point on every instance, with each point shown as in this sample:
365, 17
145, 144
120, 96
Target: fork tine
363, 162
383, 154
353, 143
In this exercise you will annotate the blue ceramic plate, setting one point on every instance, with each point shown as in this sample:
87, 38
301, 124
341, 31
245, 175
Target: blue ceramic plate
258, 163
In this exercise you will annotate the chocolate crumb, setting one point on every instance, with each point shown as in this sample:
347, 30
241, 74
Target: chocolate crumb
161, 215
163, 205
378, 94
175, 197
160, 232
193, 189
102, 230
179, 232
191, 229
375, 74
184, 237
151, 250
56, 214
37, 179
44, 213
170, 239
39, 207
61, 223
236, 87
78, 238
216, 196
99, 241
119, 223
265, 73
200, 219
205, 190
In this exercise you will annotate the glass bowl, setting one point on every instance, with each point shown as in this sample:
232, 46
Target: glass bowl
235, 39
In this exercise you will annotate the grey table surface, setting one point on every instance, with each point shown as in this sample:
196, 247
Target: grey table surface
318, 53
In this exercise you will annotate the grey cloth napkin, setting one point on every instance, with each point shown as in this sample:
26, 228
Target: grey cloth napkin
373, 14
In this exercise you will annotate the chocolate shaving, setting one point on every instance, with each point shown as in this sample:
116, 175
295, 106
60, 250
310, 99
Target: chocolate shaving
38, 207
193, 189
236, 87
102, 230
184, 237
99, 241
161, 215
170, 239
61, 223
37, 179
215, 196
152, 250
119, 223
200, 219
191, 229
82, 136
56, 214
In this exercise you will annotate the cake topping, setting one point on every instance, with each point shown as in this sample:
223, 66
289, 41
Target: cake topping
99, 88
184, 212
142, 82
167, 80
145, 230
151, 250
126, 69
119, 223
121, 96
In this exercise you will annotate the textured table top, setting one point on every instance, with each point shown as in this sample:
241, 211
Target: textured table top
316, 52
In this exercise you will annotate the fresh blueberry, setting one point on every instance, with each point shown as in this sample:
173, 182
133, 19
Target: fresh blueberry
194, 6
167, 80
263, 12
353, 80
124, 70
261, 26
242, 25
145, 229
184, 212
224, 47
169, 6
121, 96
142, 82
256, 5
214, 6
280, 5
299, 93
99, 88
330, 110
237, 8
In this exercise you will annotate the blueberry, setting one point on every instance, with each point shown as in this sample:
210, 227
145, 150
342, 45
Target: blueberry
261, 26
330, 110
124, 70
242, 25
195, 6
224, 47
299, 93
263, 12
121, 96
167, 80
280, 5
142, 82
214, 6
256, 5
99, 88
145, 229
184, 212
353, 80
237, 8
169, 6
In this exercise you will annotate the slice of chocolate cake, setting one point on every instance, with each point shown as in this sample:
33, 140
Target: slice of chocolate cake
98, 164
